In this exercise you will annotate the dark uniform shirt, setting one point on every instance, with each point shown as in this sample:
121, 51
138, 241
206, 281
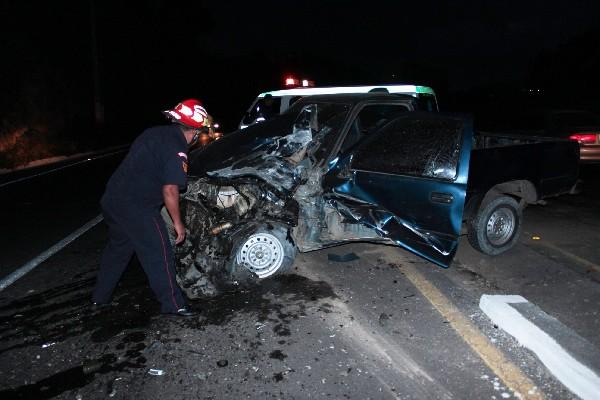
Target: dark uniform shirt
156, 158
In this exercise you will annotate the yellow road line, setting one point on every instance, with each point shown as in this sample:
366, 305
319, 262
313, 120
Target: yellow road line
570, 256
508, 372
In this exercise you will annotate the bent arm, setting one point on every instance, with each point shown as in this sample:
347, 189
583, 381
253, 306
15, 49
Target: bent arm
171, 199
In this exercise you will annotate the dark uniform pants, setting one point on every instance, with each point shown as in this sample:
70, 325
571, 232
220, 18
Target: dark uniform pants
143, 232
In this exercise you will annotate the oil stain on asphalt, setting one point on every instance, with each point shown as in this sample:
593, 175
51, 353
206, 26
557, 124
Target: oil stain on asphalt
80, 376
63, 312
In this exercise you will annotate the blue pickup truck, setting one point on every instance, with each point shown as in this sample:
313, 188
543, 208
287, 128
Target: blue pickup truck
359, 167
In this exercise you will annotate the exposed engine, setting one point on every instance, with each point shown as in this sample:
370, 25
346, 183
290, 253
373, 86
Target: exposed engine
218, 216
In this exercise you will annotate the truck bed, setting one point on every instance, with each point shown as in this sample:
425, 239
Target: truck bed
549, 164
487, 140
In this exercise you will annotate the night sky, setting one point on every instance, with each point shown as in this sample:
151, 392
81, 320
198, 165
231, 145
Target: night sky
154, 53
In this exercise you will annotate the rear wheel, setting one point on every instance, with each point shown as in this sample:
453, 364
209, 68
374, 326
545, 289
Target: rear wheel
496, 226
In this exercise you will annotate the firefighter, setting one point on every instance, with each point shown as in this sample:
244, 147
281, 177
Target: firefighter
152, 174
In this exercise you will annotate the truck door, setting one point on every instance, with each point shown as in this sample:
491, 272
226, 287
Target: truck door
407, 181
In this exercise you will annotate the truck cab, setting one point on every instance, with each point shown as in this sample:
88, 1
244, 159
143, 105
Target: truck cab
268, 104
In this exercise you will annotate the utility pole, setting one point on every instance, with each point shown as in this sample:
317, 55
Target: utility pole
98, 104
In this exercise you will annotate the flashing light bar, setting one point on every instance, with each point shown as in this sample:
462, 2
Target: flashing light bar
291, 81
294, 82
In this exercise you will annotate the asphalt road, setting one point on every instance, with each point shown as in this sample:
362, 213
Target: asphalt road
40, 206
386, 325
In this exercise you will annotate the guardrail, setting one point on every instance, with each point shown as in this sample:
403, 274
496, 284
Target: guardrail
69, 162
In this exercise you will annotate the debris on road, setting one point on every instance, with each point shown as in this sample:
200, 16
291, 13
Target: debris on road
342, 258
383, 319
112, 390
156, 372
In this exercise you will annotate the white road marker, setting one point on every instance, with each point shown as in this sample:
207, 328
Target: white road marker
578, 378
19, 273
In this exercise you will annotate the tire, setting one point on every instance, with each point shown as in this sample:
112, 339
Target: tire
496, 227
265, 252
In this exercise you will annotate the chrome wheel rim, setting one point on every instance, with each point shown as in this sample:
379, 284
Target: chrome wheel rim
500, 226
261, 253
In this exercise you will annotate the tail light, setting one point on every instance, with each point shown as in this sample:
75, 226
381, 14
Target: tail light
584, 138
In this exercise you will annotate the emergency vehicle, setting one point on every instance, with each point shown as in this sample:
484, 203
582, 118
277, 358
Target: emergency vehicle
281, 100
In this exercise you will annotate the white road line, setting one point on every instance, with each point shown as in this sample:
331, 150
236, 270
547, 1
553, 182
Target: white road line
578, 378
19, 273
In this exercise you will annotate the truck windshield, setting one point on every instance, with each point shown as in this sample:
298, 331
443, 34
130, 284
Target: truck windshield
263, 109
305, 129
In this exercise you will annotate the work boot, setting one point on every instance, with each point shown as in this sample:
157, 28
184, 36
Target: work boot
183, 312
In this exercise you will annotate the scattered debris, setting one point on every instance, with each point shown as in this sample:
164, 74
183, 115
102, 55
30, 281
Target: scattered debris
383, 319
46, 345
202, 376
259, 326
156, 372
342, 258
112, 390
91, 366
154, 345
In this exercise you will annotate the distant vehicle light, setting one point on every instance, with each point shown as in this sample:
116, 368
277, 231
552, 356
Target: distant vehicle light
584, 138
216, 126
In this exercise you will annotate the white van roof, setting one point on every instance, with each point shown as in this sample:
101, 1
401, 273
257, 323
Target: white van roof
310, 91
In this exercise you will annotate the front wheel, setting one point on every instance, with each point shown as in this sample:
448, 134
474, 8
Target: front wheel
267, 251
496, 226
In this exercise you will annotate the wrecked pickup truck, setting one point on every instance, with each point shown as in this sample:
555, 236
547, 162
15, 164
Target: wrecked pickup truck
367, 167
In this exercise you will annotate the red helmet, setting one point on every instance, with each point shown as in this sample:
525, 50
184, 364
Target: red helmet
189, 112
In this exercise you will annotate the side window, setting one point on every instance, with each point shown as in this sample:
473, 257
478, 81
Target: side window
293, 100
263, 109
421, 147
370, 119
426, 102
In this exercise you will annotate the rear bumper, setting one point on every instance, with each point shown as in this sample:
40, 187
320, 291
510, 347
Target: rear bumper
589, 153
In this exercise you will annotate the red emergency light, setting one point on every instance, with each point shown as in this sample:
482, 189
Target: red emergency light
291, 81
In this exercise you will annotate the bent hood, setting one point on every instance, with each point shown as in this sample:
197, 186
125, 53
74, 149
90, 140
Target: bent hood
270, 151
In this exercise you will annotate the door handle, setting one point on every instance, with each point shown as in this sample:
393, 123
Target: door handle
444, 198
